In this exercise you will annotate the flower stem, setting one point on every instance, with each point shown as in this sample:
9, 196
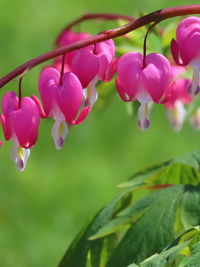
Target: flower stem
145, 43
113, 33
62, 69
20, 91
96, 16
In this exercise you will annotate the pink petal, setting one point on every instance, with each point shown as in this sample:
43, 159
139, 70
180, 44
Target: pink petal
122, 92
48, 82
105, 51
25, 122
175, 52
82, 116
39, 105
107, 48
10, 103
179, 92
67, 37
129, 72
85, 65
70, 96
111, 69
188, 38
157, 76
7, 133
177, 71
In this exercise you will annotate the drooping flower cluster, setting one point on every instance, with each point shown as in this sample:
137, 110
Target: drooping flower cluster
68, 88
90, 64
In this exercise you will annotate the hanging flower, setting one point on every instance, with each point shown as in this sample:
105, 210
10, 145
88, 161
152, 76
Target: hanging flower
176, 104
90, 64
68, 37
20, 120
146, 84
186, 49
62, 99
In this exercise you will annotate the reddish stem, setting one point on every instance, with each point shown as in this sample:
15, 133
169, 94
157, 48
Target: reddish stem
145, 43
99, 16
113, 33
20, 91
62, 69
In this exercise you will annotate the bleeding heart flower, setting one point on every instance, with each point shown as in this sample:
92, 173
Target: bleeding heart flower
187, 47
68, 37
62, 100
90, 64
176, 104
146, 84
20, 121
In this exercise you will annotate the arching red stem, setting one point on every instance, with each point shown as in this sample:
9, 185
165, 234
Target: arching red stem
152, 17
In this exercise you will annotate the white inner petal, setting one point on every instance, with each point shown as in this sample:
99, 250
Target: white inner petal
195, 119
144, 114
177, 115
20, 155
59, 132
142, 95
90, 93
194, 87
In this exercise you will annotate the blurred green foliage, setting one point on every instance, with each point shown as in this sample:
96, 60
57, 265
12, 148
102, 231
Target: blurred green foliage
146, 230
43, 208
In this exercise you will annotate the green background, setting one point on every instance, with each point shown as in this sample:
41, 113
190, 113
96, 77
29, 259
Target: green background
43, 208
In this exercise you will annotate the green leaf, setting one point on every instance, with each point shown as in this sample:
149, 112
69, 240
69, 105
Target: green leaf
194, 259
181, 170
155, 260
77, 254
124, 232
151, 232
114, 225
133, 265
190, 208
190, 159
140, 177
127, 215
185, 236
99, 254
177, 173
164, 257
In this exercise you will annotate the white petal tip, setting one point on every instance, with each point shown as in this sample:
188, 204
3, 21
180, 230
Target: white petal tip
143, 115
20, 156
91, 94
59, 143
59, 132
20, 165
177, 115
193, 90
195, 120
144, 125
